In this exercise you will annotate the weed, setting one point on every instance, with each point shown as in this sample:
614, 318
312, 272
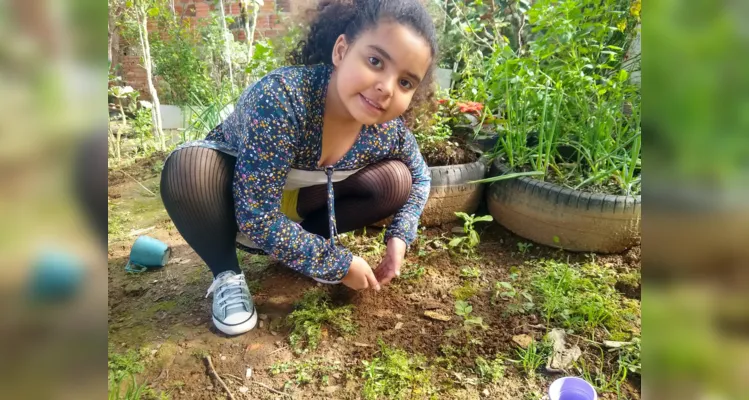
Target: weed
254, 286
466, 291
490, 371
597, 377
531, 358
306, 371
122, 366
413, 273
117, 221
523, 247
310, 314
467, 244
581, 298
449, 356
200, 354
470, 272
395, 374
629, 356
506, 292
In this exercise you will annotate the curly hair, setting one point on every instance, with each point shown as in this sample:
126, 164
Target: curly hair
331, 18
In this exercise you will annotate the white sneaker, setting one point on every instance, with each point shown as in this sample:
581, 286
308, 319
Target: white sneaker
233, 308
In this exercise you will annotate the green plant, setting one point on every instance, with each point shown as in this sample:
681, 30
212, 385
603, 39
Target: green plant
470, 272
467, 244
126, 366
629, 356
311, 312
523, 247
395, 374
490, 371
531, 358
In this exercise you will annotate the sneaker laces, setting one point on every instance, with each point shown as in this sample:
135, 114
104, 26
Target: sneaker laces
231, 290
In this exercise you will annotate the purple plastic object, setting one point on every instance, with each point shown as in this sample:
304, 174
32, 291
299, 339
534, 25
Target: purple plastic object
572, 388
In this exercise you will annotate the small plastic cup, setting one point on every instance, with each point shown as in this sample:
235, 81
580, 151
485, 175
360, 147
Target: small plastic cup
572, 388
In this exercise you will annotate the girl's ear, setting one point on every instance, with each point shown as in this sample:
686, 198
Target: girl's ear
339, 49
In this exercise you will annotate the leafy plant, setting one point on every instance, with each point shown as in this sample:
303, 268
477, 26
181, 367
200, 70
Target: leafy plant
312, 311
470, 272
467, 244
597, 376
395, 374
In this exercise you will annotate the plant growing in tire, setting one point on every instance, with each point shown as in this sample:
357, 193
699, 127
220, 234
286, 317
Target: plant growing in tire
567, 155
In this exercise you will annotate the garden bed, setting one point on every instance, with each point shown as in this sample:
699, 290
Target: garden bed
160, 326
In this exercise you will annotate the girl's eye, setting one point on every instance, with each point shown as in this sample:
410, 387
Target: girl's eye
406, 84
375, 62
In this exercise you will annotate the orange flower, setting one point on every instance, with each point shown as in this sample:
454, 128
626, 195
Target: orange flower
470, 107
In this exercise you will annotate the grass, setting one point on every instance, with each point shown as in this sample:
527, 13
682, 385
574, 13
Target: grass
396, 374
583, 298
312, 312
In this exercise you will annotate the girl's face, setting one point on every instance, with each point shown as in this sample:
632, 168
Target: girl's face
377, 75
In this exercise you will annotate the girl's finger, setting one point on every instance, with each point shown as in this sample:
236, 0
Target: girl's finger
372, 281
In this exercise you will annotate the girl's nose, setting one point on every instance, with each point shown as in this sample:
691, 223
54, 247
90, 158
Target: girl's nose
385, 86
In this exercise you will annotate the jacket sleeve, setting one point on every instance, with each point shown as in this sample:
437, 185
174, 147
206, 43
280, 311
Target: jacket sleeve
406, 221
267, 114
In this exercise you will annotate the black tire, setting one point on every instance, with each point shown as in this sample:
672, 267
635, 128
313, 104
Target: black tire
556, 216
451, 192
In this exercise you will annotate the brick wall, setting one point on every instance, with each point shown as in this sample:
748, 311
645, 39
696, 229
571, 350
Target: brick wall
268, 25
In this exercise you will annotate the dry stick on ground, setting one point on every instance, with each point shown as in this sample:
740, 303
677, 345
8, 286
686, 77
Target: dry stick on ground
141, 185
271, 389
218, 378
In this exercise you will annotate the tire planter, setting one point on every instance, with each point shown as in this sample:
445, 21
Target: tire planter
451, 192
556, 216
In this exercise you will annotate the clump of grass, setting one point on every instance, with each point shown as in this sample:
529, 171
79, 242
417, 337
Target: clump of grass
397, 375
124, 367
470, 273
582, 298
531, 358
490, 371
312, 311
306, 371
465, 292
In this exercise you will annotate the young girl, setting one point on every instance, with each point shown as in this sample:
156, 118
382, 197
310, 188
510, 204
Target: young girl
311, 151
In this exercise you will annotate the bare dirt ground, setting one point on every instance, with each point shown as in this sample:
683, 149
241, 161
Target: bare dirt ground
164, 316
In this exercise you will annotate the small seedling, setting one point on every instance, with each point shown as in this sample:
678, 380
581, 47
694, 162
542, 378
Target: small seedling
470, 272
470, 322
467, 244
307, 320
531, 358
306, 371
523, 247
396, 374
518, 302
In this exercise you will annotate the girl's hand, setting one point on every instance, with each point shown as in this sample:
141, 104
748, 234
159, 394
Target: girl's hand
360, 275
390, 267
